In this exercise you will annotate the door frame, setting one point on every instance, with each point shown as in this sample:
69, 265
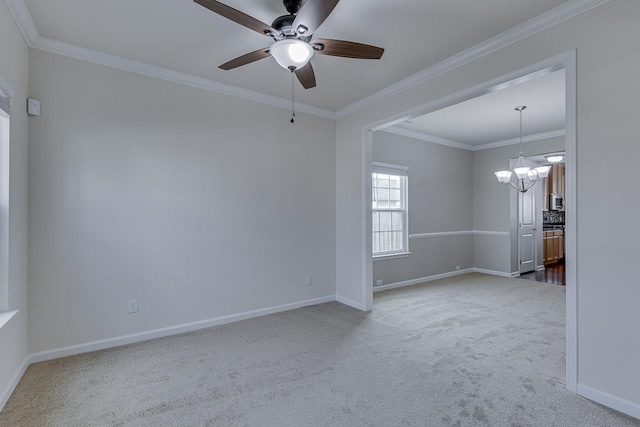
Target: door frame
566, 61
518, 225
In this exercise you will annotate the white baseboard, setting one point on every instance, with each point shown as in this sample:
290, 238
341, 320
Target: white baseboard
619, 404
350, 302
421, 280
171, 330
495, 273
8, 390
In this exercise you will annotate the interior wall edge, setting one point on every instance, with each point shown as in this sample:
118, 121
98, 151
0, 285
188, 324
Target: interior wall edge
13, 383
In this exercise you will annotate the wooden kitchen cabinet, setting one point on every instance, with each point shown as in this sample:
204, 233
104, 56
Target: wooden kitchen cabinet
547, 247
559, 236
552, 246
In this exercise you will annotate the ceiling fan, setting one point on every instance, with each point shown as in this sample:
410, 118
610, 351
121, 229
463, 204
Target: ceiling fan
293, 44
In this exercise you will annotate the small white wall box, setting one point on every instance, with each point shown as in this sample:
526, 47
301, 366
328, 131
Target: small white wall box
33, 107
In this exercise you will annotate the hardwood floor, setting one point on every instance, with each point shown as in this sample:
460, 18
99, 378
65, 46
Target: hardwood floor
554, 274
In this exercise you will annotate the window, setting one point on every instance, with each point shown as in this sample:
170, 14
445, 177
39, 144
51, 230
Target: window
389, 209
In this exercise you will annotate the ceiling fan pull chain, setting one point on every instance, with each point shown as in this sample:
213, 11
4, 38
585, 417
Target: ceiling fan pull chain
293, 97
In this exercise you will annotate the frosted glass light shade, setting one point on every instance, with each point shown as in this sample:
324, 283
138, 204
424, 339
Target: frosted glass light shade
291, 53
504, 176
522, 173
543, 171
555, 158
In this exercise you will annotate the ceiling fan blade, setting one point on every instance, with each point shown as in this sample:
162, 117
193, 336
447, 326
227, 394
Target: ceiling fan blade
246, 59
237, 16
306, 76
347, 49
313, 14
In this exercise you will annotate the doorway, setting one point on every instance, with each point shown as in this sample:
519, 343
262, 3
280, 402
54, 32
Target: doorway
565, 61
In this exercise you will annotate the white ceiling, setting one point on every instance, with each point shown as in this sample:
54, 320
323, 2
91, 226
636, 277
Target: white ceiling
183, 36
492, 117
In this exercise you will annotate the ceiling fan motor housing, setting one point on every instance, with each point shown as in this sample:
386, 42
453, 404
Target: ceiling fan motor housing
284, 24
292, 6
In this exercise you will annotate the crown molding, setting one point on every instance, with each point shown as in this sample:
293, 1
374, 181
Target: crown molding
396, 130
123, 64
426, 137
23, 19
25, 23
528, 138
541, 22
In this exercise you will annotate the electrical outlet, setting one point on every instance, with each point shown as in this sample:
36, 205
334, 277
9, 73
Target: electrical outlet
309, 280
457, 267
378, 282
133, 306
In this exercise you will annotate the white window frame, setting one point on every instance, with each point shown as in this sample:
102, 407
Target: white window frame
5, 122
402, 171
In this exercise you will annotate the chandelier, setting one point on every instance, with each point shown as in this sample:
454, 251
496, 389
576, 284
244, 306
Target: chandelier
522, 177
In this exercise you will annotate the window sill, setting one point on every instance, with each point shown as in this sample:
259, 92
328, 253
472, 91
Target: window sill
5, 316
391, 256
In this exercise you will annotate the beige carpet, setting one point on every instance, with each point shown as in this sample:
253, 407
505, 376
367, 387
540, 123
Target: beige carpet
471, 350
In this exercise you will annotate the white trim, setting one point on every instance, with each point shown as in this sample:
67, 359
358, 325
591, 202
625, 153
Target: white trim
619, 404
459, 233
350, 303
493, 272
367, 220
515, 274
438, 277
541, 22
421, 280
571, 230
440, 234
6, 316
491, 233
8, 390
390, 166
6, 87
391, 256
171, 330
540, 268
421, 136
123, 64
24, 21
516, 141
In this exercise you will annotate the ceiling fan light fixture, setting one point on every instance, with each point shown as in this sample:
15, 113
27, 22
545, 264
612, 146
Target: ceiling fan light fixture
291, 53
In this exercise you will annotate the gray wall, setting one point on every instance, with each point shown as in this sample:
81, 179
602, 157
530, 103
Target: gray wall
197, 204
494, 204
451, 189
440, 198
14, 63
607, 54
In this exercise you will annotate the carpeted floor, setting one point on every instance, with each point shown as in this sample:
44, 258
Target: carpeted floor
469, 350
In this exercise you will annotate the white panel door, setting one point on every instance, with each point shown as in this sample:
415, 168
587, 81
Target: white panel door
527, 230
